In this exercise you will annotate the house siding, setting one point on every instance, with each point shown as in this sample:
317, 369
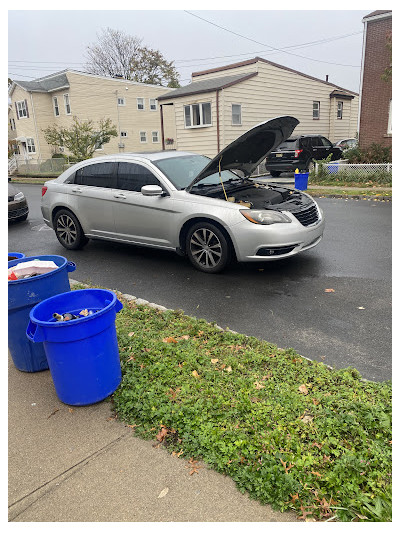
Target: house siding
94, 98
272, 92
376, 93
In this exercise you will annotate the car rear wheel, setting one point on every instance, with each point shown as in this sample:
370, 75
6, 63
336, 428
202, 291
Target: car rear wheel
207, 247
275, 173
69, 231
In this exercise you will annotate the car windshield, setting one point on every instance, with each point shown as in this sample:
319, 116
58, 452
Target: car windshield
182, 170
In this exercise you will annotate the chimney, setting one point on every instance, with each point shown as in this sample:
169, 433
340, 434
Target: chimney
326, 77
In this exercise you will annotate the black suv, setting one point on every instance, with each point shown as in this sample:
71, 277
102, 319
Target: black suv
299, 152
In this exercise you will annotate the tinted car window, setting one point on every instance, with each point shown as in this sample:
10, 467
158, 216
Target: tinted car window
325, 142
289, 144
97, 175
132, 177
305, 142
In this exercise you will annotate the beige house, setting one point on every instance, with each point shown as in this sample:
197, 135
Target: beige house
56, 99
222, 103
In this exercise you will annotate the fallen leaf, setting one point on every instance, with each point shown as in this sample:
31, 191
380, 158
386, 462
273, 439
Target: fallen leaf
169, 339
223, 366
195, 374
177, 454
131, 334
184, 337
214, 361
316, 473
259, 385
303, 389
228, 369
194, 465
362, 517
307, 419
71, 410
162, 434
315, 402
329, 290
360, 307
163, 493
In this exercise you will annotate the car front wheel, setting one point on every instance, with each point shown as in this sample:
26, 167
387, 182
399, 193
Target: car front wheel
207, 247
275, 173
69, 231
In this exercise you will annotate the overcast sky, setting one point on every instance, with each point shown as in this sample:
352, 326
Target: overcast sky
318, 43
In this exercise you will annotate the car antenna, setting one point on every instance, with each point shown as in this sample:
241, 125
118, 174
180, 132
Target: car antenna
222, 183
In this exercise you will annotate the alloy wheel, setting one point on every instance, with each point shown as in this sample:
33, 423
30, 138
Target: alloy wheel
206, 248
66, 230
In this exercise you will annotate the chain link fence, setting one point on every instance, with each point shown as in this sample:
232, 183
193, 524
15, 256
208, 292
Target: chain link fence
42, 167
355, 172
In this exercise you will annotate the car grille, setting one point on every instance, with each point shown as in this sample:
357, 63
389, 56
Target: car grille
308, 216
16, 213
11, 198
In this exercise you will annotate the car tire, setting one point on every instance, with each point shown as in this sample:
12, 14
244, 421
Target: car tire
275, 173
207, 247
69, 231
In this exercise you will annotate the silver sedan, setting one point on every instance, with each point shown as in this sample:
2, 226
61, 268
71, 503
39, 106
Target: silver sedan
209, 210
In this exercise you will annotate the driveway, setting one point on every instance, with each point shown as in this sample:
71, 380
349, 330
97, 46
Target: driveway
331, 304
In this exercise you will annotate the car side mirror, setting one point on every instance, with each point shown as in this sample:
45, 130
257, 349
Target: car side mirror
152, 190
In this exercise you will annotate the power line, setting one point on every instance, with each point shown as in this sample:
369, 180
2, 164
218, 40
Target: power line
268, 45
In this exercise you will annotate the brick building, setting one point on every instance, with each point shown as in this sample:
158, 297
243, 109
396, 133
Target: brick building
375, 117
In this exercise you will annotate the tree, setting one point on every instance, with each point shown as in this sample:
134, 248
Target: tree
82, 138
119, 54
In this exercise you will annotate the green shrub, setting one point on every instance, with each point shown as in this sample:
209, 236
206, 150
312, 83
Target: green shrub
375, 153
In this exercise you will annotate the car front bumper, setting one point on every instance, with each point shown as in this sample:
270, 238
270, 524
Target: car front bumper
255, 242
17, 210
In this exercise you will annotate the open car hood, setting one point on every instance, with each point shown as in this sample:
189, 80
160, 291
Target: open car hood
246, 152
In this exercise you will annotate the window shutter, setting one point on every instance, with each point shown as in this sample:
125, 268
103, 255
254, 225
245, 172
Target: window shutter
26, 107
16, 110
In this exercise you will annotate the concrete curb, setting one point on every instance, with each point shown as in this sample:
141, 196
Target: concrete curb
140, 301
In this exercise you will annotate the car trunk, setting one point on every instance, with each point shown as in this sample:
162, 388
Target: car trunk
285, 152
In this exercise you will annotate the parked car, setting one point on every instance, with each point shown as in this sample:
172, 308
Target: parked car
345, 144
187, 203
17, 205
299, 152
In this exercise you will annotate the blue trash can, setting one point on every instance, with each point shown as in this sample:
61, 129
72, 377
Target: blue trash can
23, 295
83, 353
333, 168
15, 255
301, 181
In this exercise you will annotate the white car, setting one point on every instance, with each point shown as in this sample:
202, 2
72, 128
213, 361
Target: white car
186, 202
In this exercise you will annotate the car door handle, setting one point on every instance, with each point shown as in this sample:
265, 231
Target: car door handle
120, 195
76, 189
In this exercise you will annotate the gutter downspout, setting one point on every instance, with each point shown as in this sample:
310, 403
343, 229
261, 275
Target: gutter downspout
36, 129
218, 143
162, 127
361, 78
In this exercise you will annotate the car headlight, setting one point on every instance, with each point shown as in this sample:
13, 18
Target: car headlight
19, 196
262, 216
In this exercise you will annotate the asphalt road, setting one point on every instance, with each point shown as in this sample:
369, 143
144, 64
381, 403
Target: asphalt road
283, 302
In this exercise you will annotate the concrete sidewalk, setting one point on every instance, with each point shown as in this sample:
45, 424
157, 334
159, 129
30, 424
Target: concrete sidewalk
80, 464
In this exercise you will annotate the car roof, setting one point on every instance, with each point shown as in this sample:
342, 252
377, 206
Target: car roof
150, 156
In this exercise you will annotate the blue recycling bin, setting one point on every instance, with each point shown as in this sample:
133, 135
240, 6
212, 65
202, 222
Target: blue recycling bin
23, 295
301, 181
15, 255
83, 353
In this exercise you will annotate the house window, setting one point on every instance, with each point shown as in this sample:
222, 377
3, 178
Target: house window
143, 136
12, 124
67, 104
154, 137
198, 115
315, 110
140, 103
98, 145
339, 110
153, 104
389, 121
124, 134
21, 109
121, 100
30, 145
236, 114
55, 105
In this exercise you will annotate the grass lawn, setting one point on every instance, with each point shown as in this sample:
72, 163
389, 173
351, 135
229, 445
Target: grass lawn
290, 432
